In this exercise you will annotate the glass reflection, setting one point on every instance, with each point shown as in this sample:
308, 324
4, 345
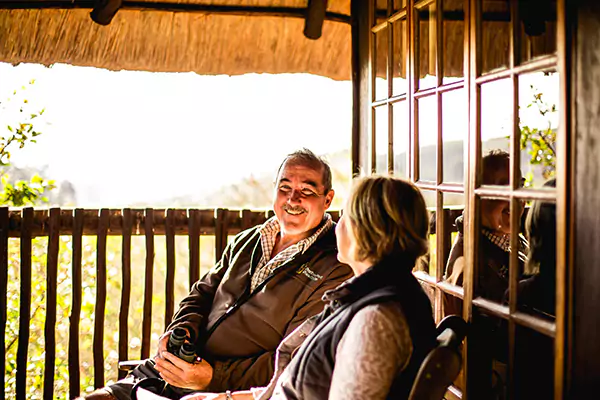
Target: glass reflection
454, 130
537, 29
381, 139
494, 241
426, 46
398, 5
453, 36
427, 111
495, 34
427, 263
496, 115
534, 365
381, 11
401, 137
381, 51
400, 57
537, 293
538, 123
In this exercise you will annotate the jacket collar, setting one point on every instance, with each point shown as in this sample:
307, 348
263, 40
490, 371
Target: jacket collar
389, 272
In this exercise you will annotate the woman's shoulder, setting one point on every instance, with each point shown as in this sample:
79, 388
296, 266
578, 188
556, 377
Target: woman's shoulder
387, 315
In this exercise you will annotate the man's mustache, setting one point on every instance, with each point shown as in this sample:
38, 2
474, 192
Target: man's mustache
287, 207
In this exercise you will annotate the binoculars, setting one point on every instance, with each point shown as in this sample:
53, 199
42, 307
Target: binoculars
178, 346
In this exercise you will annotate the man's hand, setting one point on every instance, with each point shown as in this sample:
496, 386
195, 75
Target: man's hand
162, 344
179, 373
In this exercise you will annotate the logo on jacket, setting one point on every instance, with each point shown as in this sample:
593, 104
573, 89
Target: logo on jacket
310, 274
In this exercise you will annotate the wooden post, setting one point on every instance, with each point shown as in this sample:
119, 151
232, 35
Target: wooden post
584, 369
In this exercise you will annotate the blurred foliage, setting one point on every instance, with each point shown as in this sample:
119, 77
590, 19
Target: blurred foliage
21, 129
540, 144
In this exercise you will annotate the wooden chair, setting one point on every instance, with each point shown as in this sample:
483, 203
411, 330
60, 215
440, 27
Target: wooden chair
442, 365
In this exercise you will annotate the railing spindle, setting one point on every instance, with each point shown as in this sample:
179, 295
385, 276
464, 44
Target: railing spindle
25, 303
74, 383
170, 273
147, 321
220, 233
51, 282
3, 290
126, 289
100, 309
194, 244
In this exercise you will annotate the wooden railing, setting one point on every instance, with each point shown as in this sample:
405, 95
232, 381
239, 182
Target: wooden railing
28, 223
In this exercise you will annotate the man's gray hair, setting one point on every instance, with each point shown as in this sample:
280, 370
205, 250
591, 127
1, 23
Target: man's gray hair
308, 158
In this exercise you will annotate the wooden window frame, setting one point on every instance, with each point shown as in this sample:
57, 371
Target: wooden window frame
472, 188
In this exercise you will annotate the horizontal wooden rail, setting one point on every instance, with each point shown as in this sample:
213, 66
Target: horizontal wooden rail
182, 221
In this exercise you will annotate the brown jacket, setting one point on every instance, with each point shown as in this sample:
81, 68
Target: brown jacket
238, 331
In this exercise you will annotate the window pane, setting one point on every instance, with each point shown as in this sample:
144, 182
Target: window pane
380, 11
536, 293
534, 365
538, 122
398, 5
427, 128
494, 249
401, 137
428, 262
537, 29
426, 46
495, 35
381, 50
454, 31
381, 139
454, 132
400, 57
496, 128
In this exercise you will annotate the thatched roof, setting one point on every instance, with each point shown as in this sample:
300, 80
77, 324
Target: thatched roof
170, 41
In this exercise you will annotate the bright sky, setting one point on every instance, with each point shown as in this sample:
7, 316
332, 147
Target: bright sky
129, 137
124, 137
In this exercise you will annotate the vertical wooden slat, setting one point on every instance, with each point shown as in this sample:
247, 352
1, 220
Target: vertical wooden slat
515, 177
149, 279
220, 233
99, 310
566, 24
51, 282
126, 289
24, 303
470, 366
170, 277
74, 384
246, 219
3, 290
194, 244
361, 95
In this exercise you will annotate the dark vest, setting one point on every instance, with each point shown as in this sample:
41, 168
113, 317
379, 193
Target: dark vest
311, 369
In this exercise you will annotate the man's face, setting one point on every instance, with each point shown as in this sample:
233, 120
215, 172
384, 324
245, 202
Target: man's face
495, 214
300, 201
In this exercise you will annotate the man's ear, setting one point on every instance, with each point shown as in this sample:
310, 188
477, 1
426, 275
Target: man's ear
329, 198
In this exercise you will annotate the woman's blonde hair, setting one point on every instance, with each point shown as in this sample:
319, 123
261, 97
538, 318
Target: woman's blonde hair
388, 217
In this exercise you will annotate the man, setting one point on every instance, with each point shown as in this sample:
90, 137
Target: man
495, 237
268, 281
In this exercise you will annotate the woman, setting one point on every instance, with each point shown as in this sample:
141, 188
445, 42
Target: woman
371, 338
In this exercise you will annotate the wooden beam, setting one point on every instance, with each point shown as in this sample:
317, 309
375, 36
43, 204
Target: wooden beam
246, 11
